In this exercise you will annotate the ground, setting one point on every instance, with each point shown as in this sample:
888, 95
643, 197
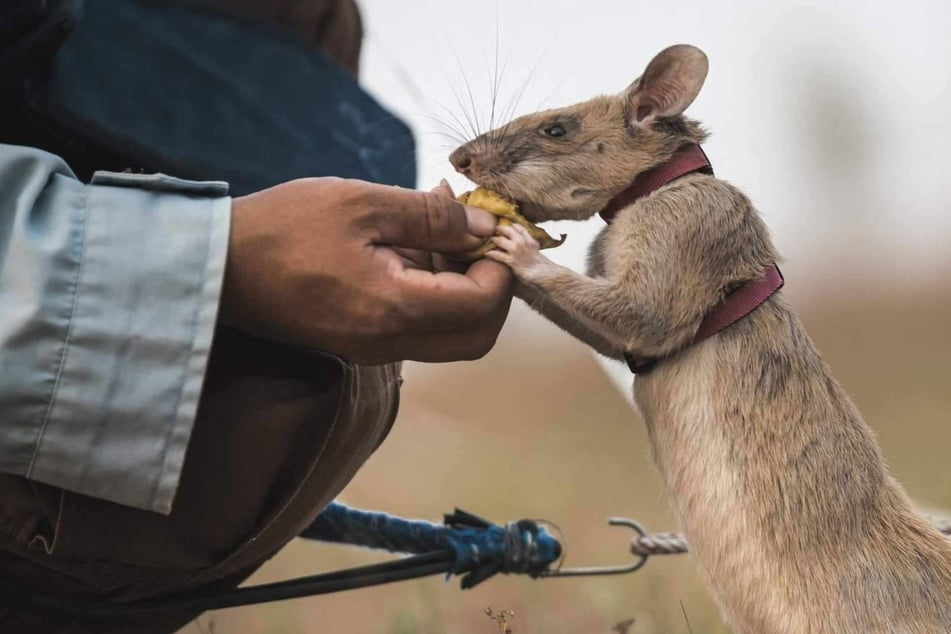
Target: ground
536, 430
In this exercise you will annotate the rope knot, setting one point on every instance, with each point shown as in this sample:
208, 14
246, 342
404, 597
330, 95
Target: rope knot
522, 553
484, 549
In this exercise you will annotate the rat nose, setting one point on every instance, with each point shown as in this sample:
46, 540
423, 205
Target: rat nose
461, 159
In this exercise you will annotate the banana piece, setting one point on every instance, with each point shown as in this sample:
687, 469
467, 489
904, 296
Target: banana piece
507, 213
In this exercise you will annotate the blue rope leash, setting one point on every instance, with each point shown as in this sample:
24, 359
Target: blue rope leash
466, 545
480, 549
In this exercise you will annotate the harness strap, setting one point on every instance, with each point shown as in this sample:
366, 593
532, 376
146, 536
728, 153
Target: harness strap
739, 303
733, 308
687, 161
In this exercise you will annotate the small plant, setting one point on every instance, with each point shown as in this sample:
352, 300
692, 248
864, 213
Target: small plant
622, 627
501, 618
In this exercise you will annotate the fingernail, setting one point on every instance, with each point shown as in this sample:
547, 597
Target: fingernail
481, 223
443, 189
445, 185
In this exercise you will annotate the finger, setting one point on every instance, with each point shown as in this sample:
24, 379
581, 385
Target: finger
503, 242
499, 256
442, 263
445, 185
523, 233
439, 302
489, 276
509, 231
416, 258
425, 220
435, 262
464, 345
444, 188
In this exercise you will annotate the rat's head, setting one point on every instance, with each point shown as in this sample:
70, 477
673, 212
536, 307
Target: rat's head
569, 162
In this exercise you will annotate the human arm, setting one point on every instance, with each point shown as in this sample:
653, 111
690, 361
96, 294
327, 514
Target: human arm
108, 300
109, 295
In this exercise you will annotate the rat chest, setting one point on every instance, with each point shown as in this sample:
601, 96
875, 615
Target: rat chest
706, 488
625, 241
690, 445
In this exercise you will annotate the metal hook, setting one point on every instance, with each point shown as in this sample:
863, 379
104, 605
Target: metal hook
605, 570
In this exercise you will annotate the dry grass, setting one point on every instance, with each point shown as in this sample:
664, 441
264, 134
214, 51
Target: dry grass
535, 430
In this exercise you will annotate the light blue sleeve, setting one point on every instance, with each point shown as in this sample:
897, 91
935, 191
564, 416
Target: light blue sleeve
108, 300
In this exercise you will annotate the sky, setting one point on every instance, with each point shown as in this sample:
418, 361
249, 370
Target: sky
831, 116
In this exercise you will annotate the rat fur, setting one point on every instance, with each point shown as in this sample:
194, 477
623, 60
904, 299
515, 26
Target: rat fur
778, 483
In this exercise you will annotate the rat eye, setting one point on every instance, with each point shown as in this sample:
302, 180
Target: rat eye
555, 131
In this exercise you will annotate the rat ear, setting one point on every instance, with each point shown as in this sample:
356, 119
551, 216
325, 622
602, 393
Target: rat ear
671, 82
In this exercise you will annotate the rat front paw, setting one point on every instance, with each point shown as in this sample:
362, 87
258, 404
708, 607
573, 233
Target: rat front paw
515, 247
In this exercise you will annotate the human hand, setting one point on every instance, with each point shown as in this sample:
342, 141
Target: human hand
345, 266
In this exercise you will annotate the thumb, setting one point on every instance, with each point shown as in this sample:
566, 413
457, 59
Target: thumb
429, 221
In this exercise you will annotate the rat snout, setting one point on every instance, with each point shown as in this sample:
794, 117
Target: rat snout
462, 159
477, 160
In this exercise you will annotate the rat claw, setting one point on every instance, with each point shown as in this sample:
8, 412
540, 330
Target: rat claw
499, 256
525, 234
509, 231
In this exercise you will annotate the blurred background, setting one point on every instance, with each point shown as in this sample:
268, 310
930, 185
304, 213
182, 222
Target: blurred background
832, 116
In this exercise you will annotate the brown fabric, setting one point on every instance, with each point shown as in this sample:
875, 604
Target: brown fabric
333, 26
280, 432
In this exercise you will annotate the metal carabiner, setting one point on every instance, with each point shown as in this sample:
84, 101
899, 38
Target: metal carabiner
604, 570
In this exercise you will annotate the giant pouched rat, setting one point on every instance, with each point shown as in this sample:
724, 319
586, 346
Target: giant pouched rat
778, 483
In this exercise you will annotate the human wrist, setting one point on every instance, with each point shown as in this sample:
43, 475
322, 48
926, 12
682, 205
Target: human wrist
233, 307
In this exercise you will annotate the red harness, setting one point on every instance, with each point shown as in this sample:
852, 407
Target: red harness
735, 306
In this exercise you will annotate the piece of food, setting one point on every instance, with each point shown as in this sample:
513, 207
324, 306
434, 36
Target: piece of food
507, 213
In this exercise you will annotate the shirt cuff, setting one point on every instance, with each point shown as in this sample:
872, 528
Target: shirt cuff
139, 338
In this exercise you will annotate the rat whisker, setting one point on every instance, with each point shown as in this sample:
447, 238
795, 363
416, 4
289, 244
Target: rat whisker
454, 139
513, 105
448, 137
472, 126
505, 190
464, 129
495, 70
405, 78
406, 163
448, 128
496, 139
555, 88
450, 141
465, 80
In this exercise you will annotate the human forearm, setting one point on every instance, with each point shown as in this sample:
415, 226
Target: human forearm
109, 294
